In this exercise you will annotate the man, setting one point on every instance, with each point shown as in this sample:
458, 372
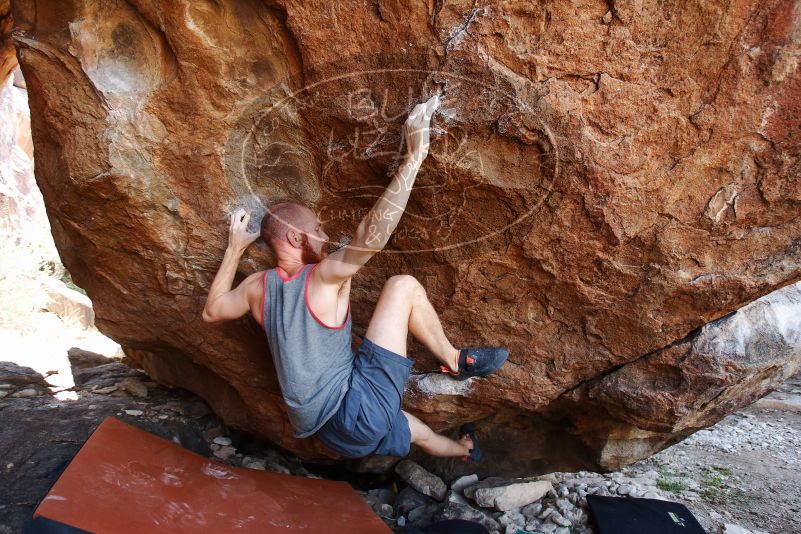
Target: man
351, 402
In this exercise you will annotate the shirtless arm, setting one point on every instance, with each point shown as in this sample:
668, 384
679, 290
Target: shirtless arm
224, 303
375, 229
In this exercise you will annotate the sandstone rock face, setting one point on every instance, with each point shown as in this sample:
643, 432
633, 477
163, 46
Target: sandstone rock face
8, 60
690, 384
605, 178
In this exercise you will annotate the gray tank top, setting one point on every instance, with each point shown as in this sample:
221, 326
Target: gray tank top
313, 360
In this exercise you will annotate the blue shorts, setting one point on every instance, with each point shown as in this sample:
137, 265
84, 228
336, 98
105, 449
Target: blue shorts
369, 418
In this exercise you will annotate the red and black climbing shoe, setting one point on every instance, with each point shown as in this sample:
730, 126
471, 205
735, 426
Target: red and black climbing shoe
469, 429
477, 361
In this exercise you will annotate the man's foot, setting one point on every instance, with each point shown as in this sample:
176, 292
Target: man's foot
477, 361
466, 441
467, 436
453, 362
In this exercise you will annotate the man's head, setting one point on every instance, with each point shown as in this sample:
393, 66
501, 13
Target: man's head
293, 231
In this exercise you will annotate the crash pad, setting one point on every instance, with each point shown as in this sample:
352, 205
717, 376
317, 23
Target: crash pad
127, 480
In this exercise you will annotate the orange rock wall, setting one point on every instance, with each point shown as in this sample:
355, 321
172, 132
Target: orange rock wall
604, 179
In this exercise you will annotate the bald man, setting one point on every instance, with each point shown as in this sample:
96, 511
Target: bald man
351, 401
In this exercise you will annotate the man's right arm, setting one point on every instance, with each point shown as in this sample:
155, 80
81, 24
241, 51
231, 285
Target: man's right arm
376, 228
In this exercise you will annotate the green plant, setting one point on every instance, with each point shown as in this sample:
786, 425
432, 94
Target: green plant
713, 487
668, 481
671, 484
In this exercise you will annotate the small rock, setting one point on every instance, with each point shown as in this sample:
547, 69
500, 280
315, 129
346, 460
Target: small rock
625, 489
468, 513
456, 497
380, 496
277, 468
3, 393
730, 528
489, 482
134, 387
512, 518
260, 465
534, 525
512, 496
134, 412
28, 392
225, 452
462, 482
401, 521
636, 492
530, 511
421, 480
210, 433
408, 499
422, 515
383, 510
82, 359
558, 519
105, 390
564, 506
222, 440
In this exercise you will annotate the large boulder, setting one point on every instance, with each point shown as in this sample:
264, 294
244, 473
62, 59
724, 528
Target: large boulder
604, 180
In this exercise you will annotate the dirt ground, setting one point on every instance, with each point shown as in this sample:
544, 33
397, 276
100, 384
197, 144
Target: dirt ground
745, 470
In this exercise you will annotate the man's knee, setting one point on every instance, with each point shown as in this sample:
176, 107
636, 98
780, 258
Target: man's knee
404, 285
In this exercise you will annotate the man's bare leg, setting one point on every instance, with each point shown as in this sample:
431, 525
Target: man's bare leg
437, 444
403, 307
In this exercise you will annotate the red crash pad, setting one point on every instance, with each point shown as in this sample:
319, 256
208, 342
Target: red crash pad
127, 480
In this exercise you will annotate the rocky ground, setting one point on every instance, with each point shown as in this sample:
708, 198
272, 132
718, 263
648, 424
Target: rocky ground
743, 472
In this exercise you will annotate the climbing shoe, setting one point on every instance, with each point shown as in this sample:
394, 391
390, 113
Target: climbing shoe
477, 361
475, 453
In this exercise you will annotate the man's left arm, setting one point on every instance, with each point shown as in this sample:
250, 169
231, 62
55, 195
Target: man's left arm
224, 303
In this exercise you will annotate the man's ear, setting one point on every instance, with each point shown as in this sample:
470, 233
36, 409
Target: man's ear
294, 239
